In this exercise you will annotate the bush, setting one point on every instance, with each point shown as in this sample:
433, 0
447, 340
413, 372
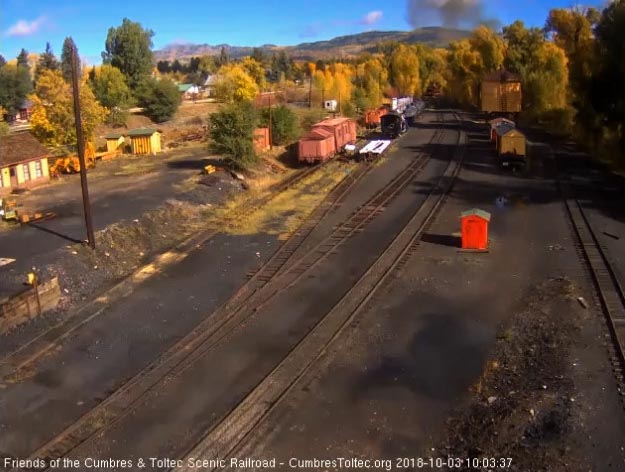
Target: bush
310, 117
284, 125
117, 117
232, 133
557, 121
160, 98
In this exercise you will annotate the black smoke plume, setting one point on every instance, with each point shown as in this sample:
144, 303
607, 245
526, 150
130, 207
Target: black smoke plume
449, 13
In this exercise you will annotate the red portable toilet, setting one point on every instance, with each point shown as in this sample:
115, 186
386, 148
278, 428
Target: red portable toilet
474, 226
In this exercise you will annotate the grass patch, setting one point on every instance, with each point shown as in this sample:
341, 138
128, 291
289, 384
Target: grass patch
138, 166
283, 213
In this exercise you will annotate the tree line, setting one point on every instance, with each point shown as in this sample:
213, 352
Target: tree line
125, 79
571, 71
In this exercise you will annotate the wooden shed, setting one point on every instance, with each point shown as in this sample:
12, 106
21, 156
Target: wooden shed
500, 92
145, 141
113, 141
511, 142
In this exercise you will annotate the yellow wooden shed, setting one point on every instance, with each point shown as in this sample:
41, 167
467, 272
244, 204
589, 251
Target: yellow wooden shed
145, 140
113, 141
512, 142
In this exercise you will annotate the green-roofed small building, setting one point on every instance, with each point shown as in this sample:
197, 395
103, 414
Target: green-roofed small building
145, 141
113, 141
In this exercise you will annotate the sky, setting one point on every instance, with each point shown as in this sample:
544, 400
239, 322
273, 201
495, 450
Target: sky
30, 24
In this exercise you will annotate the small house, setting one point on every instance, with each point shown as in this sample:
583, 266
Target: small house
512, 142
330, 105
23, 162
113, 141
22, 114
145, 141
26, 110
474, 229
188, 91
210, 85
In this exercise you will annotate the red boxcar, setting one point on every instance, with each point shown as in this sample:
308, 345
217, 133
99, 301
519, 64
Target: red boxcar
372, 117
327, 138
317, 145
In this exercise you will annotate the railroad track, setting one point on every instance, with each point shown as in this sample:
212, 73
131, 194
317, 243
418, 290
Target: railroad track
30, 352
278, 274
285, 252
233, 430
608, 288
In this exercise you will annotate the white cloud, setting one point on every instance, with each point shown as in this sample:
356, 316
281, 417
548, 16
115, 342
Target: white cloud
25, 28
372, 17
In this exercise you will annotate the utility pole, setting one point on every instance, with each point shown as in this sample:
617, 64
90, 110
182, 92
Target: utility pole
339, 101
81, 150
270, 146
310, 91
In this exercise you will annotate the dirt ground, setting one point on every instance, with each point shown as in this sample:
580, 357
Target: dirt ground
521, 408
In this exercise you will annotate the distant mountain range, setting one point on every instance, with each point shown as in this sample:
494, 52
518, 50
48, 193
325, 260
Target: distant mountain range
342, 46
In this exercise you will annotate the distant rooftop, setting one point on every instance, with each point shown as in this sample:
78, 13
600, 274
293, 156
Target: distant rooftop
20, 147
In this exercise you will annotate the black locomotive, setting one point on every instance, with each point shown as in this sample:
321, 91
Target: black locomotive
393, 124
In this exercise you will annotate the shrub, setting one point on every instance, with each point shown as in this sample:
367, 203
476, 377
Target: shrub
284, 125
310, 117
117, 117
160, 98
232, 133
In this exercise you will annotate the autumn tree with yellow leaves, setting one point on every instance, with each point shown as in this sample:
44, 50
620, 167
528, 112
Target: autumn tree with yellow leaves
469, 60
370, 80
256, 70
543, 68
463, 73
235, 84
334, 82
52, 118
432, 66
404, 70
